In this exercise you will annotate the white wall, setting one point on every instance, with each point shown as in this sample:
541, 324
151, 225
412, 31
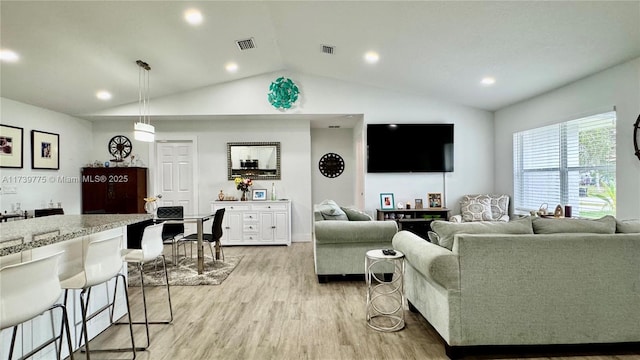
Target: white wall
473, 131
341, 188
618, 86
75, 146
212, 136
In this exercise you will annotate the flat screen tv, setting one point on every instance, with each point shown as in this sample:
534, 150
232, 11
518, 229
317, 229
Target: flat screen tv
397, 148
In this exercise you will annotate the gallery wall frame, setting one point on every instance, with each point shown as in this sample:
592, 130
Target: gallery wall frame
386, 201
435, 200
45, 150
11, 146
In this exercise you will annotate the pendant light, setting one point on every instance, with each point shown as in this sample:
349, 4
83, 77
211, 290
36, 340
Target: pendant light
143, 130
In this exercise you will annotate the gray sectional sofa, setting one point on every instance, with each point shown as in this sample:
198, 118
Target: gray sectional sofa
342, 236
526, 282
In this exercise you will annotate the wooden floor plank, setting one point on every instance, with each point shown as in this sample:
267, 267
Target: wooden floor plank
272, 307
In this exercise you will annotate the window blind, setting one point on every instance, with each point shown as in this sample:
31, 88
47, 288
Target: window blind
570, 163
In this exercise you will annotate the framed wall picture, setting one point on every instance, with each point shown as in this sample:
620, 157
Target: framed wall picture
259, 194
45, 150
386, 201
418, 203
11, 138
435, 200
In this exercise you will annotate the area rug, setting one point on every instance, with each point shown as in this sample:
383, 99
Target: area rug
186, 273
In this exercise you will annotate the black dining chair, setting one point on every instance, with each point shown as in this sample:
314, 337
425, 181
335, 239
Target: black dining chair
215, 236
171, 233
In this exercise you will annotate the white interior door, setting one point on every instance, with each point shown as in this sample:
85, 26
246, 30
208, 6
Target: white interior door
175, 179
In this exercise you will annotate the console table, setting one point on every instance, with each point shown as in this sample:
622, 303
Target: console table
418, 221
255, 222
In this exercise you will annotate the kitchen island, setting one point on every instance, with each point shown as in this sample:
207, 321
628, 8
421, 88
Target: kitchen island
28, 239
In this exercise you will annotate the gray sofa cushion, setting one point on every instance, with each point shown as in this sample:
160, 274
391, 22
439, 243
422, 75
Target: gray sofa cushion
331, 211
346, 232
604, 225
628, 226
356, 215
447, 230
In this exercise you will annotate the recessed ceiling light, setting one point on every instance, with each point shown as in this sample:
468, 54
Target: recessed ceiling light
231, 67
372, 57
103, 95
8, 55
193, 16
488, 81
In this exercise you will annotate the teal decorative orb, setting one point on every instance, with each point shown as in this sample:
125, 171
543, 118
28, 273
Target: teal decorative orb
283, 93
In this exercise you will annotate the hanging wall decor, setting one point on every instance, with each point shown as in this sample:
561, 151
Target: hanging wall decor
283, 93
331, 165
636, 137
45, 150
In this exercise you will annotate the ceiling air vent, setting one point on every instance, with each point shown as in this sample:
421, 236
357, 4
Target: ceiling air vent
246, 44
327, 49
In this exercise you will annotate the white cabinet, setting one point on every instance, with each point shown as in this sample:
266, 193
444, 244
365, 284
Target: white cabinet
255, 222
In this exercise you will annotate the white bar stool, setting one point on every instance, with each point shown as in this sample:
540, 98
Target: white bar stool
102, 262
151, 249
27, 290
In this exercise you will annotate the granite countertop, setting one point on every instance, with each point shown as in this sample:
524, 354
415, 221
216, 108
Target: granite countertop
20, 235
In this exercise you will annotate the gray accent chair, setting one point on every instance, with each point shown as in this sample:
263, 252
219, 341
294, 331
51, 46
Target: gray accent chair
340, 245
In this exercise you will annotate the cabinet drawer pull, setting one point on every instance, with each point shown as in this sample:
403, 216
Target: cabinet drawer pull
273, 227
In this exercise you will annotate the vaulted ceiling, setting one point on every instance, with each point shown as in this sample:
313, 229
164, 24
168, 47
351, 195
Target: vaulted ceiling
68, 50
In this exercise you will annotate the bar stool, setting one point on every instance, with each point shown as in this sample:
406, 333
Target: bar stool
102, 262
27, 290
152, 247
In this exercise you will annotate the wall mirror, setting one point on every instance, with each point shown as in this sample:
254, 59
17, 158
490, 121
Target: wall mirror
255, 160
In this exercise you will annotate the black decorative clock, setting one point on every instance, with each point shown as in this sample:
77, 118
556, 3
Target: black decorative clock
119, 147
636, 137
331, 165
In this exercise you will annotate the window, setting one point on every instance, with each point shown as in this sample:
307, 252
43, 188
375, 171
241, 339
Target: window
571, 163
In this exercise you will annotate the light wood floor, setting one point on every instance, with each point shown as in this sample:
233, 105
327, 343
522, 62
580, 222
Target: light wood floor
272, 307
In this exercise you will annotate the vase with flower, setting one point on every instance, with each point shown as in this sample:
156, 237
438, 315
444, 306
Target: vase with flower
244, 185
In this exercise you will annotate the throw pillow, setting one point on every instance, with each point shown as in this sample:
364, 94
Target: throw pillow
628, 226
499, 204
604, 225
433, 237
447, 230
331, 211
356, 215
476, 210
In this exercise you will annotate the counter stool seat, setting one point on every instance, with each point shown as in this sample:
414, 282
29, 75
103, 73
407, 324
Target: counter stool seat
27, 290
152, 249
102, 262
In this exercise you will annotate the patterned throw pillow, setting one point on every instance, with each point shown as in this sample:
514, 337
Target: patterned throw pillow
498, 204
476, 210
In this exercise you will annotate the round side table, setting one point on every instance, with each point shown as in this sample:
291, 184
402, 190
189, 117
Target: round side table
385, 297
